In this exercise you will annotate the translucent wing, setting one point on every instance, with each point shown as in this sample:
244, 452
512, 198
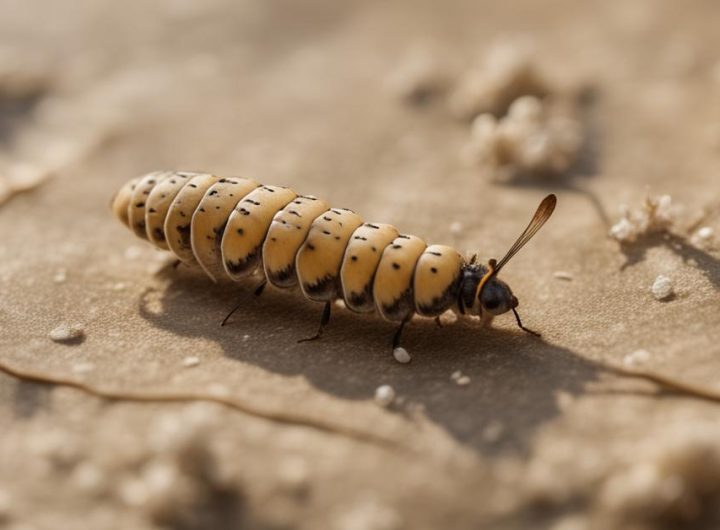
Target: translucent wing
542, 214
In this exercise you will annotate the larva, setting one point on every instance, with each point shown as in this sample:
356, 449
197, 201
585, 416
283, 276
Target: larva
233, 226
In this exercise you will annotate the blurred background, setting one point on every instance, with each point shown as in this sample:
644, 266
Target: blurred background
450, 120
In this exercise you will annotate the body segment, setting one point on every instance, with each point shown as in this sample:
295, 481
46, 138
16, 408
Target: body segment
436, 284
247, 227
361, 260
393, 287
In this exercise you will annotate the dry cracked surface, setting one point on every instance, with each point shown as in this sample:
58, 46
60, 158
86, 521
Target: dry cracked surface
531, 435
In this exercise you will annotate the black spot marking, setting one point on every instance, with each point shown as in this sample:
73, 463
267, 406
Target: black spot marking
146, 192
192, 185
240, 231
252, 202
213, 192
354, 258
396, 246
293, 212
403, 236
217, 207
297, 202
209, 237
232, 195
273, 239
162, 196
435, 253
326, 218
184, 231
374, 227
310, 246
151, 181
140, 205
337, 237
433, 270
336, 212
395, 266
374, 249
268, 189
326, 232
173, 181
283, 221
361, 238
201, 209
222, 180
182, 214
243, 211
152, 210
159, 234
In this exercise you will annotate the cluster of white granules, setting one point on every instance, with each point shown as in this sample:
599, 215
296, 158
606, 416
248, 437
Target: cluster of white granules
534, 138
655, 215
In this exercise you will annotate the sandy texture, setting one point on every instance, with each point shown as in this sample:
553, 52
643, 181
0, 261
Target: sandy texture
296, 94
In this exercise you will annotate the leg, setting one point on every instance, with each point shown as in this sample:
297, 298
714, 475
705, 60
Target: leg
323, 322
438, 322
520, 325
398, 333
258, 291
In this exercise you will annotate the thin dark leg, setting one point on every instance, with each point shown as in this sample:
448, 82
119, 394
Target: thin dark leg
258, 291
398, 334
323, 322
261, 288
438, 322
520, 325
176, 264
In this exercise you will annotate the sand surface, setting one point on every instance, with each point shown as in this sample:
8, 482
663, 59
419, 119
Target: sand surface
296, 94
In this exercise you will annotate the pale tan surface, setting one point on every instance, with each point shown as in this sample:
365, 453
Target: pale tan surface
293, 94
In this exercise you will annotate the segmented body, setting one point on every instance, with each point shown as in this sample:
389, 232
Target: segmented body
234, 226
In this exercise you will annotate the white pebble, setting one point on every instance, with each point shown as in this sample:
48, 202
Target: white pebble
662, 287
401, 355
637, 357
384, 395
66, 333
119, 286
60, 276
457, 374
705, 233
245, 337
448, 318
463, 380
340, 303
191, 361
563, 275
456, 228
133, 252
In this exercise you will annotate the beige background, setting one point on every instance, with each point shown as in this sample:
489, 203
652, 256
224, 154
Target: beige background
296, 94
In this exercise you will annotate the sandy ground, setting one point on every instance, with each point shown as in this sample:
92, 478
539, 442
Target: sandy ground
296, 94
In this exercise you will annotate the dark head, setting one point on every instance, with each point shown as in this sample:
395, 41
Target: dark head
481, 291
496, 297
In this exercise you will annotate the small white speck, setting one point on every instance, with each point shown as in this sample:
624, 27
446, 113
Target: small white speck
245, 337
401, 355
60, 276
448, 318
191, 361
340, 303
457, 374
463, 380
119, 286
662, 288
637, 357
563, 275
705, 233
83, 368
456, 228
66, 333
384, 395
